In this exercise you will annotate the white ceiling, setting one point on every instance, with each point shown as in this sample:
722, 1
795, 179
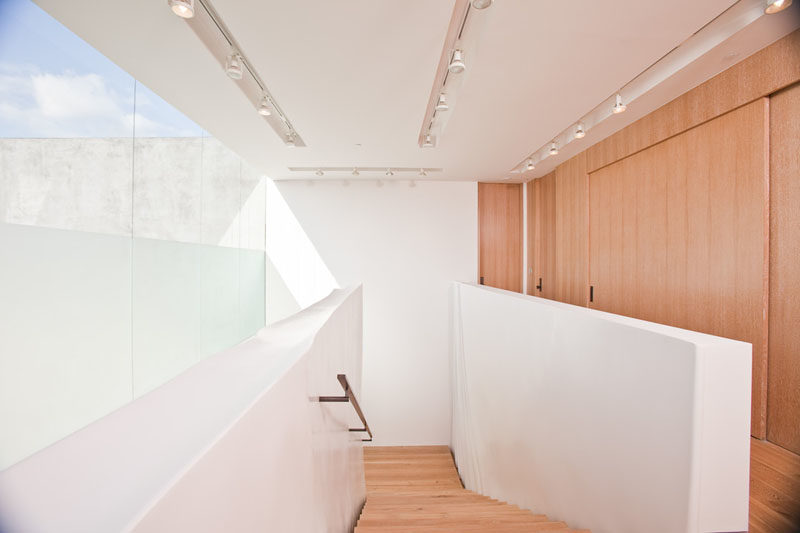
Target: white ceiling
360, 72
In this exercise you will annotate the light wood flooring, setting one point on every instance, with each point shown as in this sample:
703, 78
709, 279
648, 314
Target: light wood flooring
417, 489
774, 489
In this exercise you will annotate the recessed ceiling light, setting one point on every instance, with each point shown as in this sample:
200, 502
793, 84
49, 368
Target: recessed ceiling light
290, 139
319, 172
428, 143
775, 6
481, 4
389, 172
345, 183
619, 107
182, 8
580, 131
379, 183
233, 66
457, 64
530, 165
355, 172
412, 183
553, 148
441, 105
263, 107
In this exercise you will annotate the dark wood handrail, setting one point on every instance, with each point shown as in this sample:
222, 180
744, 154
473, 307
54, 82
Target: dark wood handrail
349, 397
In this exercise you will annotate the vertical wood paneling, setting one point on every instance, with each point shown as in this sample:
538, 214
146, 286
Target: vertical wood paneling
783, 412
677, 234
547, 248
761, 74
533, 267
500, 235
572, 242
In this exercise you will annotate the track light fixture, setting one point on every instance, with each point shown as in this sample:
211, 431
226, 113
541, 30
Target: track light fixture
422, 172
481, 4
355, 172
530, 166
457, 64
428, 143
233, 66
221, 42
441, 105
319, 172
619, 107
389, 172
553, 148
580, 131
263, 107
775, 6
182, 8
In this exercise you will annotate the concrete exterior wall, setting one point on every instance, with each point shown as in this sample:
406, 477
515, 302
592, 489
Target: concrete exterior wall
192, 190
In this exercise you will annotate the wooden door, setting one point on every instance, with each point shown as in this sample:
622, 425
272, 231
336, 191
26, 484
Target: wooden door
572, 237
500, 235
542, 236
783, 393
678, 234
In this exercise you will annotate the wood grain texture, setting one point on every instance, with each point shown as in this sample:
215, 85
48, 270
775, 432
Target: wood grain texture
533, 265
571, 237
774, 489
763, 73
500, 235
677, 234
783, 407
417, 488
544, 226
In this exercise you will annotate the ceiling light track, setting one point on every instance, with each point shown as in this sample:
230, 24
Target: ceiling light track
453, 62
209, 26
722, 27
357, 170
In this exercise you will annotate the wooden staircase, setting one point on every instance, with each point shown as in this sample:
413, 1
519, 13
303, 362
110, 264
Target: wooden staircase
417, 489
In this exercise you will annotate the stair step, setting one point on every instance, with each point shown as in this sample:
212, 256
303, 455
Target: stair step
417, 489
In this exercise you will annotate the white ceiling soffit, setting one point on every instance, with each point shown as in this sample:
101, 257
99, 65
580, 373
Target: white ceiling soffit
355, 77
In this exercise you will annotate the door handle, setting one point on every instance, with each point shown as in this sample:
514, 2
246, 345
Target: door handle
539, 286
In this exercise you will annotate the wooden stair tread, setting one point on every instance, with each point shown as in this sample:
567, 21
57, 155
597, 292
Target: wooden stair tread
417, 489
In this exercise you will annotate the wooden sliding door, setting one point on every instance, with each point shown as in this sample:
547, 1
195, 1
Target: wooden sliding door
783, 412
542, 236
678, 234
500, 235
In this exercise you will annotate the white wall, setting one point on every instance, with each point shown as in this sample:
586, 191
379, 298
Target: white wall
405, 244
605, 422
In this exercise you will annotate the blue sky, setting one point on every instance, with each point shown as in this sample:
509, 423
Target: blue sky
54, 84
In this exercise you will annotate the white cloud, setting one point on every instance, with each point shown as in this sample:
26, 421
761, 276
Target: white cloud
38, 104
74, 96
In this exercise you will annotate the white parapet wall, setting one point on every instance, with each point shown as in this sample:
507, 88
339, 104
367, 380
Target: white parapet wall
606, 422
237, 443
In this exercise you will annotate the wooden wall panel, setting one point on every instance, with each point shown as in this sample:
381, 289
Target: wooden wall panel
533, 266
677, 234
761, 74
783, 412
572, 240
500, 235
544, 226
